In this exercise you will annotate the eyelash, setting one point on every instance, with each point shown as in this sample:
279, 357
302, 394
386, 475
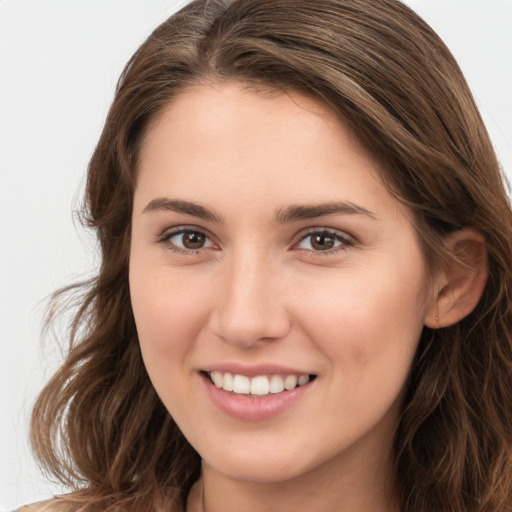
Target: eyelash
345, 241
166, 237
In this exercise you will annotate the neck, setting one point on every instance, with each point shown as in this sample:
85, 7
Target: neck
334, 487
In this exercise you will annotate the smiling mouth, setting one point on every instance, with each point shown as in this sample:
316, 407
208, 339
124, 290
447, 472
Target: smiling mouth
258, 386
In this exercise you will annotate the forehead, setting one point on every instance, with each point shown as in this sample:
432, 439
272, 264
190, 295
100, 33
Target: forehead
205, 107
230, 140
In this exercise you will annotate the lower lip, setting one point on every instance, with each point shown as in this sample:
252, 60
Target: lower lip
250, 408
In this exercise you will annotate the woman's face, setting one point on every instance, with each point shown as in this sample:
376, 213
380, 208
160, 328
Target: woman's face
266, 251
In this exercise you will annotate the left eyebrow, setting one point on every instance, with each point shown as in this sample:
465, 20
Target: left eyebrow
179, 206
302, 212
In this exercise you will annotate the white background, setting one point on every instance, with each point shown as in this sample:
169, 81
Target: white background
59, 62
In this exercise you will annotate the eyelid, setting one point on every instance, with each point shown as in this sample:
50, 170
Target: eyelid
168, 233
173, 230
342, 236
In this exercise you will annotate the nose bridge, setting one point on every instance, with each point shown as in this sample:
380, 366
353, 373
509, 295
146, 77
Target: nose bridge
250, 306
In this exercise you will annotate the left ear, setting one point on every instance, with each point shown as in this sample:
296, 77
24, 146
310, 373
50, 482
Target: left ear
461, 282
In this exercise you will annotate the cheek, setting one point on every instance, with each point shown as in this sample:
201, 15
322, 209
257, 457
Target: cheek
169, 314
368, 330
365, 318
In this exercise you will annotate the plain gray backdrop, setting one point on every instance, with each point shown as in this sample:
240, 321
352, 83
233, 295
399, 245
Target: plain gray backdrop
59, 62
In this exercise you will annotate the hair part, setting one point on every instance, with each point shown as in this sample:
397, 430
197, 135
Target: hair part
98, 424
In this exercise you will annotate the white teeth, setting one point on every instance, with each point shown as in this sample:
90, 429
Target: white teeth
260, 386
257, 386
228, 382
217, 379
303, 379
276, 384
290, 382
241, 384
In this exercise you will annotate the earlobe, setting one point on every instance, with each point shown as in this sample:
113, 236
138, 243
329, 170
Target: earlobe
462, 280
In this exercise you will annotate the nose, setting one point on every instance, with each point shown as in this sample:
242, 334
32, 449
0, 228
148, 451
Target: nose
250, 306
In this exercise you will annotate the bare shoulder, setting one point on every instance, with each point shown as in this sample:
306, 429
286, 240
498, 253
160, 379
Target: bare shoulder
55, 505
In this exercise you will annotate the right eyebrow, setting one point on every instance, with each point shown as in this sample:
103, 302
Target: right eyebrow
301, 212
179, 206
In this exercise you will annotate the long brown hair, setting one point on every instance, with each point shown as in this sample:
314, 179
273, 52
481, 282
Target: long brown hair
98, 424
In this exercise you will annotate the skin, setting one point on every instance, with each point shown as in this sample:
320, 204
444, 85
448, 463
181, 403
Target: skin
259, 291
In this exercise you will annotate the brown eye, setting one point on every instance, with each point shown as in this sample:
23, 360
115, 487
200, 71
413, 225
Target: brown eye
187, 240
323, 241
193, 240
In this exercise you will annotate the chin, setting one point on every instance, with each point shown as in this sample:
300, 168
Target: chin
260, 471
261, 464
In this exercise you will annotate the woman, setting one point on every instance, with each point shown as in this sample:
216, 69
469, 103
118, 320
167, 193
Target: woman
303, 297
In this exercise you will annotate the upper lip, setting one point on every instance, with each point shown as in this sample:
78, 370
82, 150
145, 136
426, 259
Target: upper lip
254, 370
